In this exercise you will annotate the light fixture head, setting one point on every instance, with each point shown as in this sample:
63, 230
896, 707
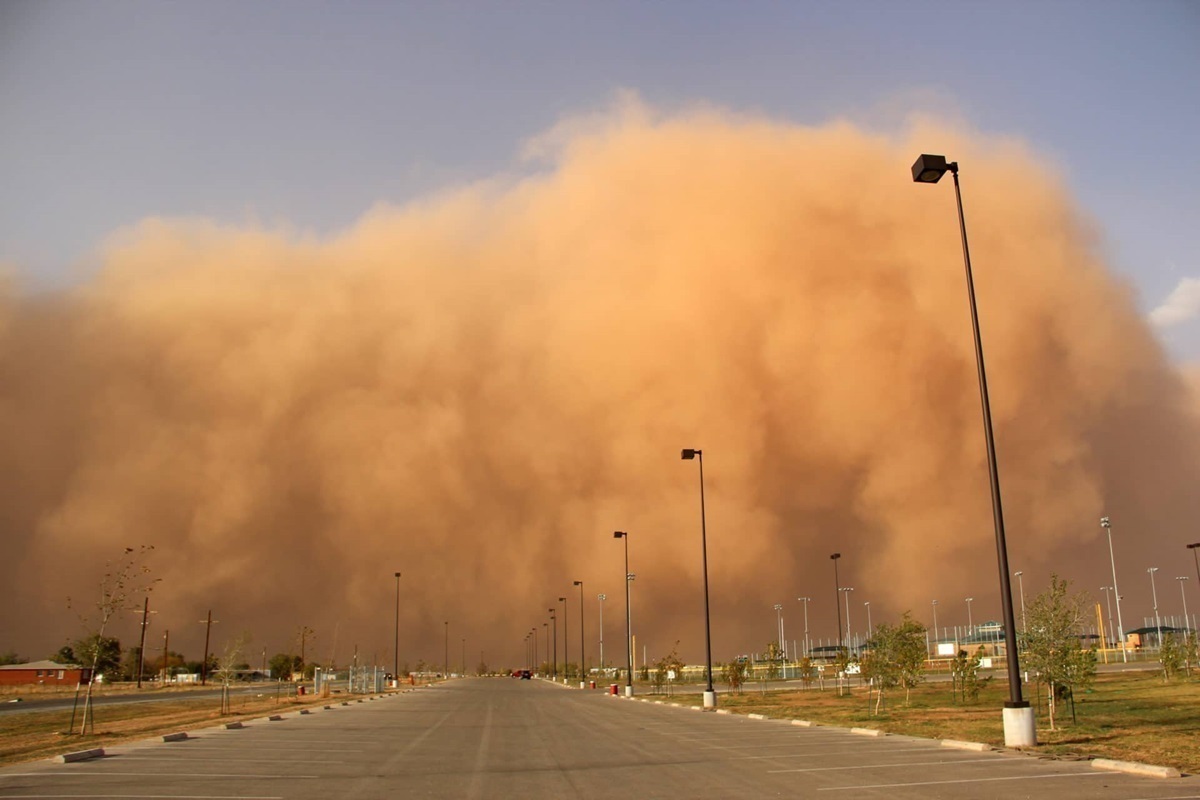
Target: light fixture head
1104, 522
930, 169
619, 534
689, 453
836, 556
578, 583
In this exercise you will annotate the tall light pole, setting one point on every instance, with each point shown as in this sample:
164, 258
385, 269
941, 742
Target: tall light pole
846, 590
554, 659
582, 667
628, 619
533, 633
464, 657
1020, 728
446, 661
600, 598
837, 599
1104, 523
779, 624
870, 628
970, 619
935, 627
1186, 623
805, 600
1154, 594
1108, 603
546, 637
566, 641
710, 695
396, 660
1021, 583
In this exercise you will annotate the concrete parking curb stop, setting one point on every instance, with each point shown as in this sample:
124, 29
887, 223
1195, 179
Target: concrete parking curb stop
174, 737
757, 716
275, 718
803, 723
1134, 768
979, 747
81, 755
867, 732
231, 726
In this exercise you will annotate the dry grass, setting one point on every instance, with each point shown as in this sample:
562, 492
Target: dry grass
1129, 716
31, 735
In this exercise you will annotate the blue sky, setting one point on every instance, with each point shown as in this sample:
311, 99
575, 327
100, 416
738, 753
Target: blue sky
309, 113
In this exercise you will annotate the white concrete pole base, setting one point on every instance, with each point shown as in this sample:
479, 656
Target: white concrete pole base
1020, 727
710, 699
628, 691
583, 684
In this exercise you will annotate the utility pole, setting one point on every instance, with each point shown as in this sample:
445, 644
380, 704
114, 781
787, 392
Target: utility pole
208, 623
142, 645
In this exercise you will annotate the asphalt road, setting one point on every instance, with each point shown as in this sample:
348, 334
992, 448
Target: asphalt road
504, 738
60, 702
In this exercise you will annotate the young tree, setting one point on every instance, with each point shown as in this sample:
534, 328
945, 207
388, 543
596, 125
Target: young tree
964, 671
734, 674
773, 657
283, 665
1050, 644
123, 580
808, 671
896, 657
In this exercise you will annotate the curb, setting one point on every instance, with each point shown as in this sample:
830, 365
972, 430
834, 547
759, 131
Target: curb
803, 723
978, 747
81, 755
174, 737
275, 718
1134, 768
233, 726
757, 716
867, 732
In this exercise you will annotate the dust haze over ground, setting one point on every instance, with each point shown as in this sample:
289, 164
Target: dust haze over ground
478, 388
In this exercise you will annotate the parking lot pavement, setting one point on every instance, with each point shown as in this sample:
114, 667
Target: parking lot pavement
499, 738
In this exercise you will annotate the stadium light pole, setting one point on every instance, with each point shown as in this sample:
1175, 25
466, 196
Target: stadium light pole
1020, 729
628, 619
935, 627
1183, 579
1107, 525
1021, 583
710, 694
807, 650
1154, 594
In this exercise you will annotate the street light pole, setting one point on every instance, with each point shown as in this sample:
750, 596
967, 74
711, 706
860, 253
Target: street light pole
970, 619
837, 599
1020, 728
582, 665
554, 659
870, 628
1195, 548
446, 661
807, 650
566, 641
1107, 525
1154, 594
710, 694
600, 598
628, 619
396, 661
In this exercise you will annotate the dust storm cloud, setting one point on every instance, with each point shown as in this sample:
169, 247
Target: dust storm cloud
478, 388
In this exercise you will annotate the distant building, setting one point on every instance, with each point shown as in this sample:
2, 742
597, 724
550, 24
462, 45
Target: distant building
43, 673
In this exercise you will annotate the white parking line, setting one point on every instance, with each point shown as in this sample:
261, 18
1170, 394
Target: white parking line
93, 774
825, 753
162, 796
963, 780
884, 766
227, 760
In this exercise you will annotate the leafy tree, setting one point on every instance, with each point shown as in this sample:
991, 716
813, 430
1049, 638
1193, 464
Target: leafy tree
644, 673
665, 666
11, 657
64, 655
964, 671
734, 674
808, 671
1171, 655
283, 665
896, 657
841, 663
1050, 644
773, 657
103, 653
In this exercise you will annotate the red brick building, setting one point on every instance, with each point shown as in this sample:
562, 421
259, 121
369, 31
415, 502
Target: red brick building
43, 673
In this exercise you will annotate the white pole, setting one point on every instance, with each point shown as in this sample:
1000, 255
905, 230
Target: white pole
1154, 592
601, 598
1104, 523
1183, 594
